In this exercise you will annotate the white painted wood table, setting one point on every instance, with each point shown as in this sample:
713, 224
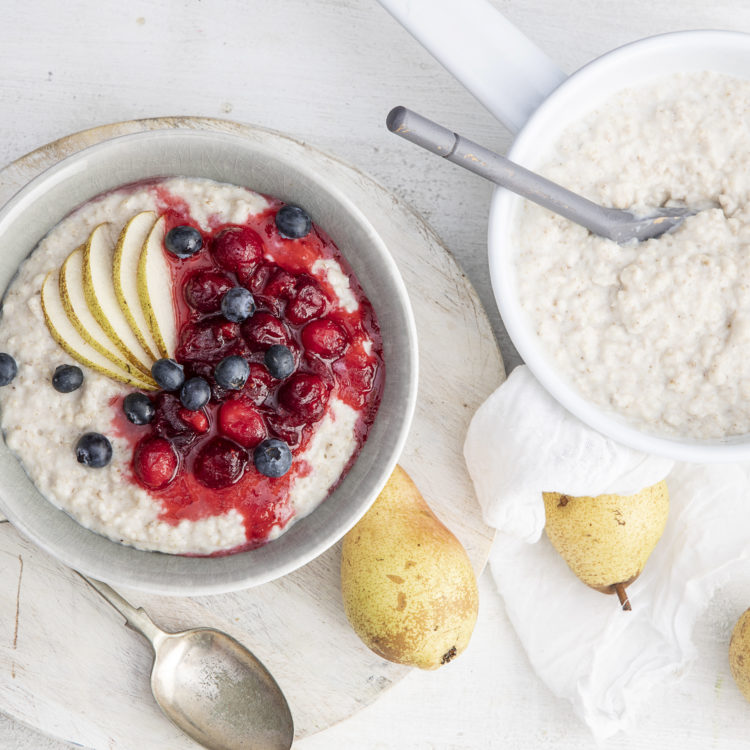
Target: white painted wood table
326, 72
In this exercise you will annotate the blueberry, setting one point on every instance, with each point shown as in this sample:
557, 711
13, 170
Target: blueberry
138, 408
279, 361
168, 374
183, 241
94, 450
232, 372
67, 378
272, 458
195, 394
293, 222
237, 304
8, 368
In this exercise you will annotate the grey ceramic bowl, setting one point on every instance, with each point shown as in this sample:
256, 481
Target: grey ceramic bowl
31, 213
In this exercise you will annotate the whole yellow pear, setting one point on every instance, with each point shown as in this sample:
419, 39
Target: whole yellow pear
408, 586
607, 539
739, 653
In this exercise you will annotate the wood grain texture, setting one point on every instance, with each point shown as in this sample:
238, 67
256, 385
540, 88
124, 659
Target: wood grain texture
295, 625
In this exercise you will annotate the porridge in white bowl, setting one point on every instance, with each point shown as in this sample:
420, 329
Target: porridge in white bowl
658, 332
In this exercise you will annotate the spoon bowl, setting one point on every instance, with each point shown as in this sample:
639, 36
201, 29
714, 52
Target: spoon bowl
209, 685
217, 692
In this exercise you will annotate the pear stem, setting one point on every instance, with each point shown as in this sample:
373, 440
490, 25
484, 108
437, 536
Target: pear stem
622, 595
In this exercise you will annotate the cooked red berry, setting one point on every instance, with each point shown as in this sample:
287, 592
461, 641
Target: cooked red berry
208, 340
359, 373
305, 394
220, 463
196, 419
237, 248
281, 284
204, 290
242, 422
288, 427
264, 330
255, 278
168, 424
278, 290
309, 302
324, 337
258, 384
155, 462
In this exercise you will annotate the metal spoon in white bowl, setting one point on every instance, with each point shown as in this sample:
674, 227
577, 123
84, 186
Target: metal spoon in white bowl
210, 685
615, 224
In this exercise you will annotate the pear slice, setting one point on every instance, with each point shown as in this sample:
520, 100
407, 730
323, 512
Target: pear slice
74, 303
101, 298
155, 291
71, 340
124, 277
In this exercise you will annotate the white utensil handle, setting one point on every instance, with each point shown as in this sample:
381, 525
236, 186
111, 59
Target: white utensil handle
500, 66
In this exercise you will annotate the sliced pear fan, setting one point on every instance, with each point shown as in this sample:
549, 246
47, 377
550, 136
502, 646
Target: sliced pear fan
99, 289
124, 276
71, 340
74, 303
111, 304
155, 291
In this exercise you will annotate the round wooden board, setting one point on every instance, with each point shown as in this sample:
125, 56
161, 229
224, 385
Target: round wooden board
70, 669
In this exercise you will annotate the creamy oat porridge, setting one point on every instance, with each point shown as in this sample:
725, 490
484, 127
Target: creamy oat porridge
230, 361
659, 332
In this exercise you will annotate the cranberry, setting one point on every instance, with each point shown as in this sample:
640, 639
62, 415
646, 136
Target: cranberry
281, 284
288, 427
168, 423
362, 376
242, 423
258, 384
264, 330
325, 338
279, 288
204, 290
309, 302
255, 279
197, 420
238, 249
305, 394
220, 463
155, 462
356, 380
208, 340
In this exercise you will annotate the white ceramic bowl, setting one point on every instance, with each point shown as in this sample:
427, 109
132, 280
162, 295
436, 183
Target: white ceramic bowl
277, 170
632, 65
526, 91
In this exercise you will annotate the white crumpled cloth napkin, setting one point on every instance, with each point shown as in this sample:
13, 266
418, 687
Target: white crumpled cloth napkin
581, 644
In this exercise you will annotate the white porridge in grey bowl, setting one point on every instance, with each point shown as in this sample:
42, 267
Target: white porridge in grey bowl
197, 366
657, 332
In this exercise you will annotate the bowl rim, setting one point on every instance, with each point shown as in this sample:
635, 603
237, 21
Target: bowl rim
216, 578
503, 217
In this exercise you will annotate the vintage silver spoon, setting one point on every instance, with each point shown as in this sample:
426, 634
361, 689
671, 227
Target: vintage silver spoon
615, 224
210, 685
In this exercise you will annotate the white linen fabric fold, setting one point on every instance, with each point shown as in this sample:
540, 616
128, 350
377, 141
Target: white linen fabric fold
581, 644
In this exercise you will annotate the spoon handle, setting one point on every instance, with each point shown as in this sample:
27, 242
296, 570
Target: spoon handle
136, 618
469, 155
